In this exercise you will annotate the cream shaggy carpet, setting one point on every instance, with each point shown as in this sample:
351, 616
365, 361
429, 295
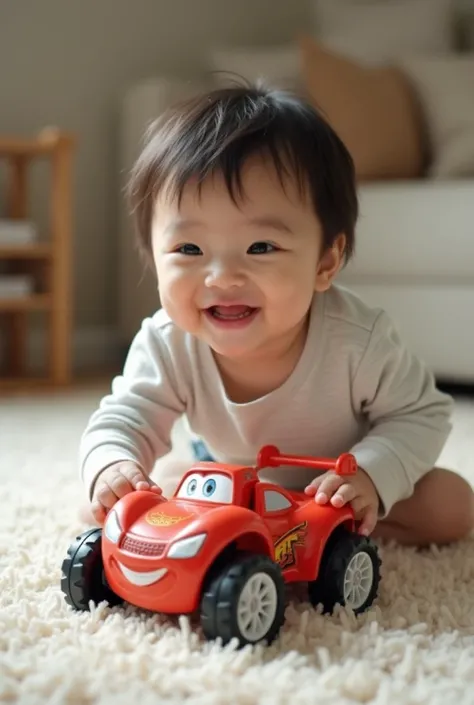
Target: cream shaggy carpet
415, 647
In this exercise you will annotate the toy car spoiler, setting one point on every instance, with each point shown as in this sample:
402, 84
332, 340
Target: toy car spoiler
270, 456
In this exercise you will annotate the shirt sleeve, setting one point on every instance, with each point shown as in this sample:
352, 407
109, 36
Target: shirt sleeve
134, 421
408, 417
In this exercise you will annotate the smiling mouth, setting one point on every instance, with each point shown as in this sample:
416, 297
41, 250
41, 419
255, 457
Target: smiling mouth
231, 313
142, 579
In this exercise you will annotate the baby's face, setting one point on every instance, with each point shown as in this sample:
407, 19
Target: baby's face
239, 276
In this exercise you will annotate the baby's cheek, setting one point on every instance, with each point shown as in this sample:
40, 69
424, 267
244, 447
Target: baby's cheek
176, 291
294, 293
182, 312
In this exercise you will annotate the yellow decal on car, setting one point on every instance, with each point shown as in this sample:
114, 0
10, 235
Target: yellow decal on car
160, 519
285, 546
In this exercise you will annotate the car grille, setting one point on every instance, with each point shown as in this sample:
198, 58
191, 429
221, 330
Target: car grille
143, 548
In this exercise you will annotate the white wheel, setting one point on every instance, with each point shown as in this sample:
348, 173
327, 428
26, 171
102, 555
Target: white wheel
257, 607
358, 580
244, 600
349, 573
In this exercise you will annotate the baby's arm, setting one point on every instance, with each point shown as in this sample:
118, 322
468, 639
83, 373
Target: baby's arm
409, 422
409, 418
132, 426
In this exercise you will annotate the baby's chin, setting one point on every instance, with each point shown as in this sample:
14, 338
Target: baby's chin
239, 353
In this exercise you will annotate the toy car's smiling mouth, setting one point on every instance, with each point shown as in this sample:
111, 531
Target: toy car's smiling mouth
142, 579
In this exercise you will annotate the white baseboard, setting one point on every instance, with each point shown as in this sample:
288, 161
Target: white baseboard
92, 346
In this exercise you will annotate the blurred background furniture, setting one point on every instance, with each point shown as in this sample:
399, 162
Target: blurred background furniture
415, 239
415, 258
46, 261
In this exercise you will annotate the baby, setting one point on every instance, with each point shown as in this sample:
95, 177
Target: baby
245, 202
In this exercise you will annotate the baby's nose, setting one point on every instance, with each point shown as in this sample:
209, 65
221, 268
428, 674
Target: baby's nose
225, 275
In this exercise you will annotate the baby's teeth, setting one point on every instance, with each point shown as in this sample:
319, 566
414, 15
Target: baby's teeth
233, 318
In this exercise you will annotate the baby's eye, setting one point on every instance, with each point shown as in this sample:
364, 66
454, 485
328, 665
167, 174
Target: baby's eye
189, 249
261, 248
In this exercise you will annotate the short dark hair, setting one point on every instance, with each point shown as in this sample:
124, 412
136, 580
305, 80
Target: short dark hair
216, 132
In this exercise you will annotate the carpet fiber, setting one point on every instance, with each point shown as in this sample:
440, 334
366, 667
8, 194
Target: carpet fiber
415, 646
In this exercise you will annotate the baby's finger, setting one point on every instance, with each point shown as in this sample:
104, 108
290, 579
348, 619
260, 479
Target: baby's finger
359, 504
328, 487
313, 486
343, 495
105, 495
98, 512
369, 521
148, 484
119, 484
136, 477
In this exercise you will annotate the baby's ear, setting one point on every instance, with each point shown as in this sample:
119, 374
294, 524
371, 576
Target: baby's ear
330, 263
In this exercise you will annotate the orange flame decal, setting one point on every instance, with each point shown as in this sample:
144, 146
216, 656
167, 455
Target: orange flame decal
285, 546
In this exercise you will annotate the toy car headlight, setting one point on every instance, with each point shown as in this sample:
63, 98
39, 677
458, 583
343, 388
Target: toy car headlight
188, 547
112, 527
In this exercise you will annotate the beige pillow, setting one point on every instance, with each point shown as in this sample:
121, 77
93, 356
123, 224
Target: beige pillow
377, 31
445, 89
372, 109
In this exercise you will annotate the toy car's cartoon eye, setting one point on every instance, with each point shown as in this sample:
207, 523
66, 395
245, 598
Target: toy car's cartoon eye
209, 487
213, 488
192, 486
217, 488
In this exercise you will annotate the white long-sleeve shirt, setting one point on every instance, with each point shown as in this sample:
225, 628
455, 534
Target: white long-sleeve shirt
356, 387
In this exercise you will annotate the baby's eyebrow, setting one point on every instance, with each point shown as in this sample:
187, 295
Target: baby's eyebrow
265, 221
177, 226
271, 221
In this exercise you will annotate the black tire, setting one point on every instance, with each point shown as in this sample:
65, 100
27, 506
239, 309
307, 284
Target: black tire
220, 599
342, 547
83, 576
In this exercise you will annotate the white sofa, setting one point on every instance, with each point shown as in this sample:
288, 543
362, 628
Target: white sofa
415, 251
415, 258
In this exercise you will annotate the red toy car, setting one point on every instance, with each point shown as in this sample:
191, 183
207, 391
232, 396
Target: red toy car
226, 543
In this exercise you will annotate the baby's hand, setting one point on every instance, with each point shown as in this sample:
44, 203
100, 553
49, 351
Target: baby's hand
115, 482
359, 490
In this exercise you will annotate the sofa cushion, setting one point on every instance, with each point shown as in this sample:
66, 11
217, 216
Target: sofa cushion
371, 108
381, 30
417, 231
445, 88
